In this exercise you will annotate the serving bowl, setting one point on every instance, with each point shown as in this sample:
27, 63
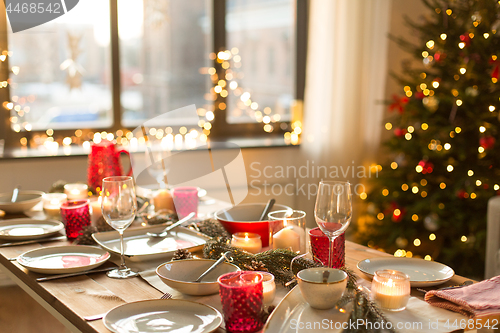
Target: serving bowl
180, 274
25, 201
245, 218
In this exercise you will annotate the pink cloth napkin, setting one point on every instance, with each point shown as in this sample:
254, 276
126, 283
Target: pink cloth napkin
477, 300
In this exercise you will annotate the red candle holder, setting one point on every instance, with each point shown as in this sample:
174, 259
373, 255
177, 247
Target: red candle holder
241, 295
320, 244
75, 216
185, 200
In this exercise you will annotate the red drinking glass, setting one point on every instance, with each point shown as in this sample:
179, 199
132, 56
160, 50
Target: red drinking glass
75, 216
185, 200
320, 246
241, 295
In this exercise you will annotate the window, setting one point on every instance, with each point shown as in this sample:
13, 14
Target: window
106, 67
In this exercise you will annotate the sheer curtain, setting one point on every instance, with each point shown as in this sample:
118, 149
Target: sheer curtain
345, 84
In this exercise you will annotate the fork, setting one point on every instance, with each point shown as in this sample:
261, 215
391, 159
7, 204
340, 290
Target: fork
101, 315
166, 296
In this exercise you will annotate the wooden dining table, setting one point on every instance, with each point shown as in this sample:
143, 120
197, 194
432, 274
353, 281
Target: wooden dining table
70, 299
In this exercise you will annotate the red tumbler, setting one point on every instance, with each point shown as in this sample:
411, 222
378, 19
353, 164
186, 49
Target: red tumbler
241, 295
320, 245
75, 216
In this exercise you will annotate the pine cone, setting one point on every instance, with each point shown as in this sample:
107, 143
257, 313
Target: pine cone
85, 236
256, 266
102, 225
181, 254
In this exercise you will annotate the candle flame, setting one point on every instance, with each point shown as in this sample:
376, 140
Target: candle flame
389, 283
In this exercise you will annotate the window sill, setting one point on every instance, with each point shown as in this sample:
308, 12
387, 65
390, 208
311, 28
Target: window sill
244, 143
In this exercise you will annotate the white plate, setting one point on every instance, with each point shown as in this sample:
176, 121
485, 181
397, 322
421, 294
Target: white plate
422, 273
63, 259
25, 229
163, 315
293, 314
140, 247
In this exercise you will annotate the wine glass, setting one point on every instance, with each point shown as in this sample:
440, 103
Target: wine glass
119, 206
333, 210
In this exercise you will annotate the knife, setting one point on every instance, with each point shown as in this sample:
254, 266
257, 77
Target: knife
33, 241
60, 276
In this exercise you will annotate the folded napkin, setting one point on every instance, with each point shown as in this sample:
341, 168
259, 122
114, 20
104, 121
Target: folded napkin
476, 300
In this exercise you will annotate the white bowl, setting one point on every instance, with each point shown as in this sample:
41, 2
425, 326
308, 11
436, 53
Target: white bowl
319, 294
25, 201
180, 274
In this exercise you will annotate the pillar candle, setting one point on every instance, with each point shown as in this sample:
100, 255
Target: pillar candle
163, 200
247, 241
287, 238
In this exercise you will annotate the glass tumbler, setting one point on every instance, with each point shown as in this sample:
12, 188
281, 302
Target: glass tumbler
391, 289
241, 295
75, 216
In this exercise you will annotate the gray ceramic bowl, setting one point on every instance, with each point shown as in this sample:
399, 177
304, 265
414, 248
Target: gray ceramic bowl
180, 274
25, 201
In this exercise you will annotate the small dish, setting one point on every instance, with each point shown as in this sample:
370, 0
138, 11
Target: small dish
63, 259
26, 229
163, 315
25, 201
180, 274
422, 273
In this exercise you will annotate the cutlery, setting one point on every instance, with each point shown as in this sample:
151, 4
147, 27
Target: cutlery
15, 192
267, 209
101, 315
165, 231
60, 276
464, 284
33, 241
215, 264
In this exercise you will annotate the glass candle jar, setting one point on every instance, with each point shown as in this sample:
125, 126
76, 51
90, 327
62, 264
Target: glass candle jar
268, 287
247, 241
76, 191
391, 289
52, 204
287, 230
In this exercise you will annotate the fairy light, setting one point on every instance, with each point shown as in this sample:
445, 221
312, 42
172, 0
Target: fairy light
388, 126
442, 185
432, 237
491, 108
482, 129
443, 36
449, 168
496, 187
380, 216
363, 196
428, 257
459, 102
424, 126
394, 165
414, 217
480, 150
463, 238
417, 242
404, 187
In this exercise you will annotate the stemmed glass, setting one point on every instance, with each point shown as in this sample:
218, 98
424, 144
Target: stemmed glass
333, 210
159, 157
119, 206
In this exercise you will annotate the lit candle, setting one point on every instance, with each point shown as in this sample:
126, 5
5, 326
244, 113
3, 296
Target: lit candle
247, 241
95, 210
76, 191
287, 238
52, 204
163, 200
269, 287
391, 289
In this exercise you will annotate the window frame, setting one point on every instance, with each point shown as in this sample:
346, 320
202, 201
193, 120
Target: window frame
221, 129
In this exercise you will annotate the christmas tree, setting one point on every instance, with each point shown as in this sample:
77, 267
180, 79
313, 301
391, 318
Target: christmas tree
430, 199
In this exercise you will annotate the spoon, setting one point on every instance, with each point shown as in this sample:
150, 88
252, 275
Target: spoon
226, 255
267, 209
165, 231
15, 192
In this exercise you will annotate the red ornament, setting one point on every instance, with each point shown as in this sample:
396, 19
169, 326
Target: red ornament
462, 194
399, 103
438, 56
487, 142
427, 167
395, 211
496, 63
419, 95
400, 132
465, 38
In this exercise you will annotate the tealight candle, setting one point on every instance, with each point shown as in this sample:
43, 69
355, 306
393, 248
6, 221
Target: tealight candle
163, 200
95, 210
269, 288
76, 191
52, 204
391, 289
247, 241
